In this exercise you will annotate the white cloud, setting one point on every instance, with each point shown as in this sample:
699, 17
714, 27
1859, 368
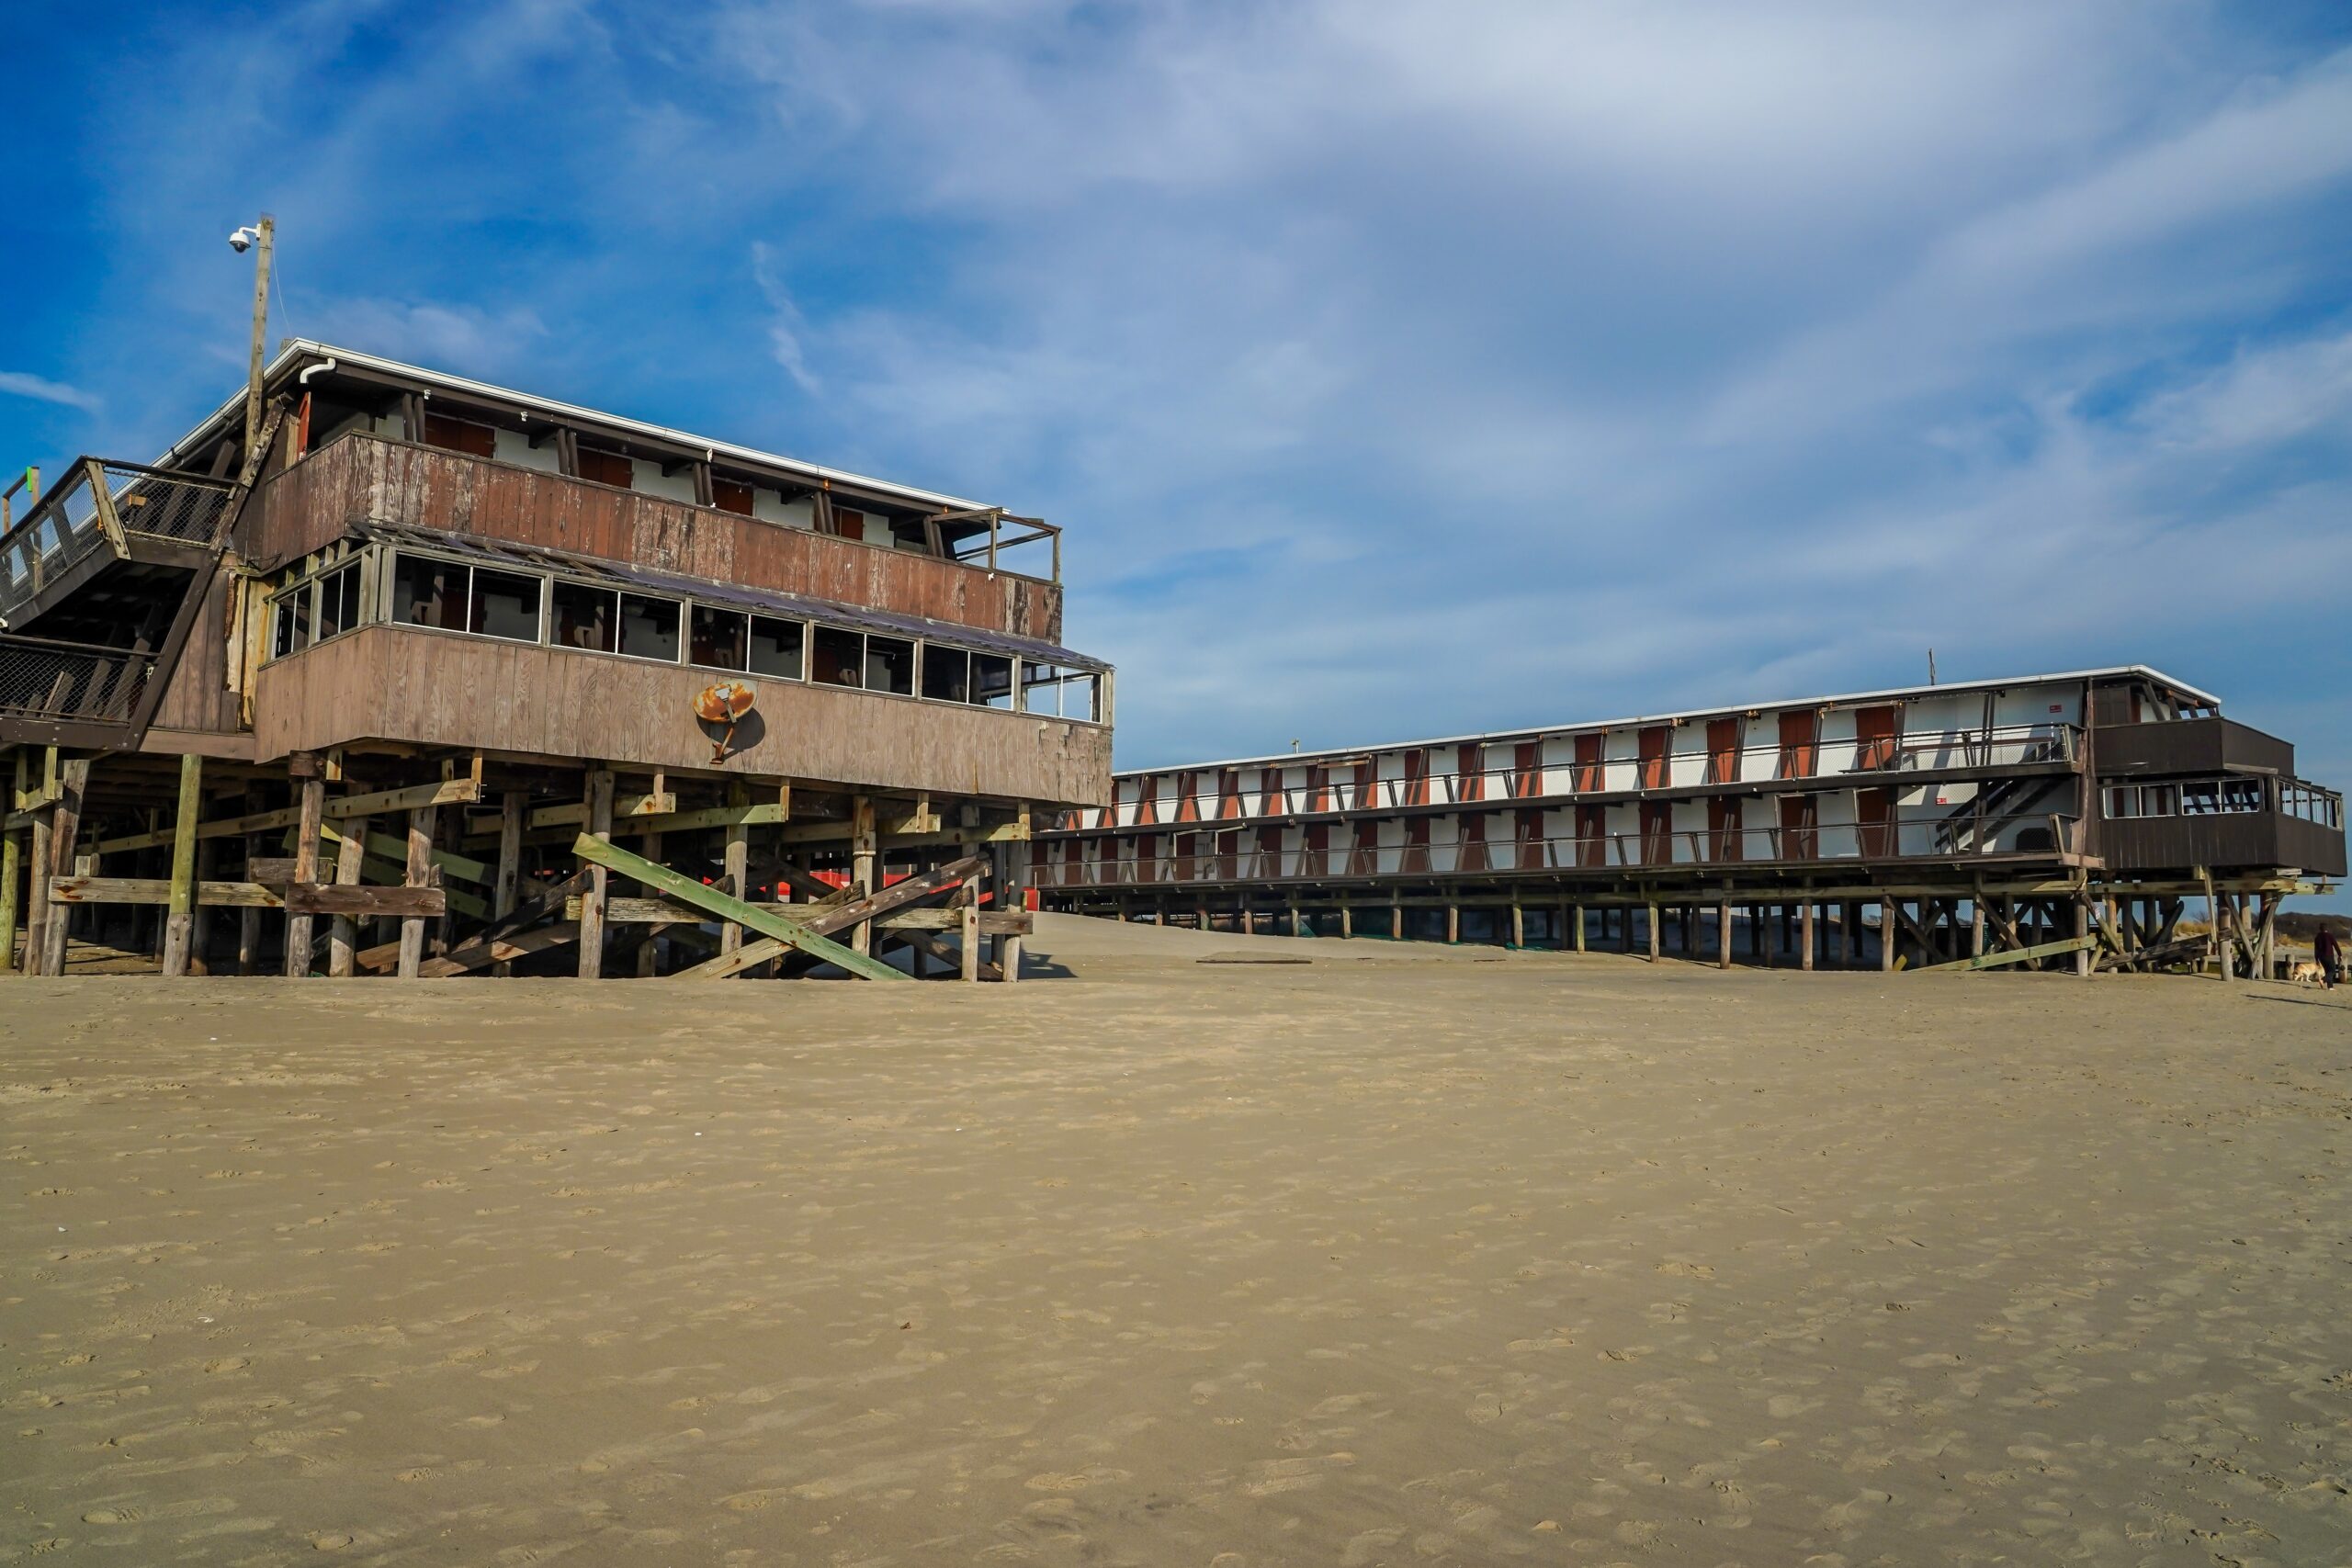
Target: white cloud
19, 383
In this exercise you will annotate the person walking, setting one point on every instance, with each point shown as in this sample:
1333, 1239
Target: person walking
2327, 953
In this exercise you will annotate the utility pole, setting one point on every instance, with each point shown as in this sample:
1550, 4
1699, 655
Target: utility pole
266, 234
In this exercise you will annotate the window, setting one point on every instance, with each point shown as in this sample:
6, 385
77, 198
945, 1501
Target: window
991, 680
586, 617
460, 435
338, 602
946, 674
890, 665
720, 638
649, 628
849, 524
731, 495
840, 658
606, 468
1057, 690
776, 647
428, 593
291, 631
505, 605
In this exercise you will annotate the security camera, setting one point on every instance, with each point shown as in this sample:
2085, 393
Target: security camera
240, 239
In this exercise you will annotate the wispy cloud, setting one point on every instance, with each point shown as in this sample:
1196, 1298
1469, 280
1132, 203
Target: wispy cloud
40, 389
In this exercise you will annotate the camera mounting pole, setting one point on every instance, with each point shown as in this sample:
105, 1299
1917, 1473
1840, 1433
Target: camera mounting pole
266, 233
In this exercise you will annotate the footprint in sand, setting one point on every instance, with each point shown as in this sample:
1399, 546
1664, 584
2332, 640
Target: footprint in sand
330, 1540
227, 1364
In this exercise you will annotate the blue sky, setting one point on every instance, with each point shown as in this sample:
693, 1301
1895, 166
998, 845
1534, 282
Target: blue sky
1397, 369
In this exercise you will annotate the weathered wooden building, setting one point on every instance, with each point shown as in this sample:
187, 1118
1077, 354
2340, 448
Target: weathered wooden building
394, 671
2045, 818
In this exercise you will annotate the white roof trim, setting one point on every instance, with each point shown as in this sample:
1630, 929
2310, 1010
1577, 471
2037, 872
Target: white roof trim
1845, 699
296, 348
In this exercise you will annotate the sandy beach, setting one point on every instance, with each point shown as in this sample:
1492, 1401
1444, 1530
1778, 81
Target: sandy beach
1397, 1256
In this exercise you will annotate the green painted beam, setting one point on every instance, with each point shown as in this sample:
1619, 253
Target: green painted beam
2017, 955
612, 857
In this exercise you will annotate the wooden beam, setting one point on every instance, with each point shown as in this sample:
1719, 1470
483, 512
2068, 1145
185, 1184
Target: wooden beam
572, 814
475, 949
64, 828
366, 903
343, 936
415, 872
910, 890
383, 802
499, 949
2019, 956
612, 858
158, 890
599, 834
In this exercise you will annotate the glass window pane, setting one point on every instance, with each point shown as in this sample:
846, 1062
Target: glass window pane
649, 628
992, 679
890, 665
282, 638
347, 590
776, 648
331, 619
1082, 696
719, 637
946, 674
505, 604
427, 592
840, 658
585, 617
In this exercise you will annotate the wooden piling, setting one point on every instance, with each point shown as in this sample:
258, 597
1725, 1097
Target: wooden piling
179, 919
599, 785
343, 931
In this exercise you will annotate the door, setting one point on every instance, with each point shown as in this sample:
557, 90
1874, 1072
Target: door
1874, 815
1592, 837
1147, 867
1653, 743
1528, 831
1270, 852
1875, 730
1364, 859
1587, 770
1657, 832
1317, 862
1184, 843
1723, 750
1725, 840
1417, 844
1074, 862
1799, 835
1470, 852
1470, 774
1799, 744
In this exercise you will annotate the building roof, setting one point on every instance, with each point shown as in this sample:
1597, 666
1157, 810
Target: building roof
1845, 699
297, 349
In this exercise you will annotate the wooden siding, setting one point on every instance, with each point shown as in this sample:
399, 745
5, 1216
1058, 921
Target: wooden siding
361, 476
198, 696
439, 689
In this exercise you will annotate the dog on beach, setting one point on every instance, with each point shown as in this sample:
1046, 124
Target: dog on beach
2305, 973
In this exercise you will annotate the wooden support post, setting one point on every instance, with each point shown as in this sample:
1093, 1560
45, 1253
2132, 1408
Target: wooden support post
64, 828
648, 952
1654, 933
343, 931
1452, 923
179, 919
513, 806
1886, 935
591, 904
1347, 919
311, 794
1011, 862
1576, 925
1976, 924
249, 919
863, 848
2270, 936
1805, 935
1518, 923
12, 876
1722, 936
417, 872
1395, 919
967, 937
736, 863
1297, 926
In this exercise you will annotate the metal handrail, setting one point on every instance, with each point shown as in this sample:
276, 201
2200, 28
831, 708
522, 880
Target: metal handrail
70, 680
2014, 745
1598, 851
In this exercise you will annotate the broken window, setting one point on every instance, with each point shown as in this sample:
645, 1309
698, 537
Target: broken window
427, 592
586, 617
890, 665
776, 647
719, 640
1060, 691
946, 674
290, 631
338, 602
840, 657
991, 680
505, 605
649, 628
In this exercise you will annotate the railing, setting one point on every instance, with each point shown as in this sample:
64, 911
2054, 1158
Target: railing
78, 517
2016, 745
2045, 835
41, 679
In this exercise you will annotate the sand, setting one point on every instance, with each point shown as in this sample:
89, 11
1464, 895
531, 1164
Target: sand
1402, 1255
